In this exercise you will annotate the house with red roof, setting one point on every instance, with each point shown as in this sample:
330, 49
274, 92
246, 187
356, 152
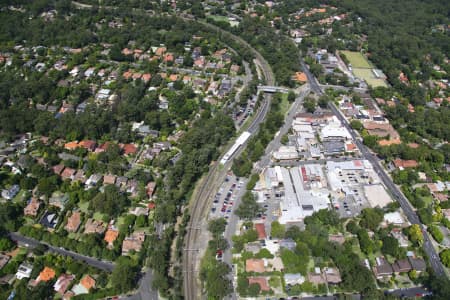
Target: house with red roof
88, 145
128, 148
261, 230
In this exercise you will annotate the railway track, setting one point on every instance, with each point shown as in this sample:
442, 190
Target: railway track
210, 184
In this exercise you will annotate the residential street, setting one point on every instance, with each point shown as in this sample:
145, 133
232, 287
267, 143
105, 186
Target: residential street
31, 243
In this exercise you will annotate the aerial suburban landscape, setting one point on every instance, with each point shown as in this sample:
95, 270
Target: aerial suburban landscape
224, 149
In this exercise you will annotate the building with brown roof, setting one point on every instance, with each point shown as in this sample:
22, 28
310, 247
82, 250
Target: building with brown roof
316, 278
400, 163
32, 208
68, 173
261, 281
133, 242
128, 148
332, 275
88, 145
94, 226
261, 230
254, 265
336, 238
401, 266
73, 222
382, 269
109, 179
110, 236
58, 169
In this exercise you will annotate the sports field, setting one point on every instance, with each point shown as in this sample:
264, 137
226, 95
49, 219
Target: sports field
369, 77
362, 68
357, 60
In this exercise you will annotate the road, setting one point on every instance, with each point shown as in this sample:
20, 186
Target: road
276, 142
196, 239
32, 243
434, 259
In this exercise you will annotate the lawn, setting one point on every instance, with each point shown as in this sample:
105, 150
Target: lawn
219, 18
99, 216
369, 77
357, 60
84, 207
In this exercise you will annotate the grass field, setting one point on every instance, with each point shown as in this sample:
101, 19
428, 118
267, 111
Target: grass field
369, 77
357, 60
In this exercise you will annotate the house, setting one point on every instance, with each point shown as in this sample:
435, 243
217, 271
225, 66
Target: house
79, 176
111, 236
395, 218
63, 282
300, 77
332, 275
254, 247
71, 145
3, 260
58, 199
288, 244
254, 265
261, 230
121, 181
261, 281
68, 173
24, 271
32, 207
293, 279
58, 169
132, 187
400, 237
109, 179
402, 164
150, 188
94, 179
417, 264
133, 242
401, 266
46, 275
88, 145
317, 277
10, 193
49, 220
73, 222
128, 148
336, 238
139, 211
382, 269
94, 226
84, 286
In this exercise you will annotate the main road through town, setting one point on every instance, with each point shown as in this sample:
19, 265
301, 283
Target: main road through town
434, 259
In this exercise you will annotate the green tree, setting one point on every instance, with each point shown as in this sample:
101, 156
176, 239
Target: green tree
277, 230
371, 218
248, 208
124, 275
217, 227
